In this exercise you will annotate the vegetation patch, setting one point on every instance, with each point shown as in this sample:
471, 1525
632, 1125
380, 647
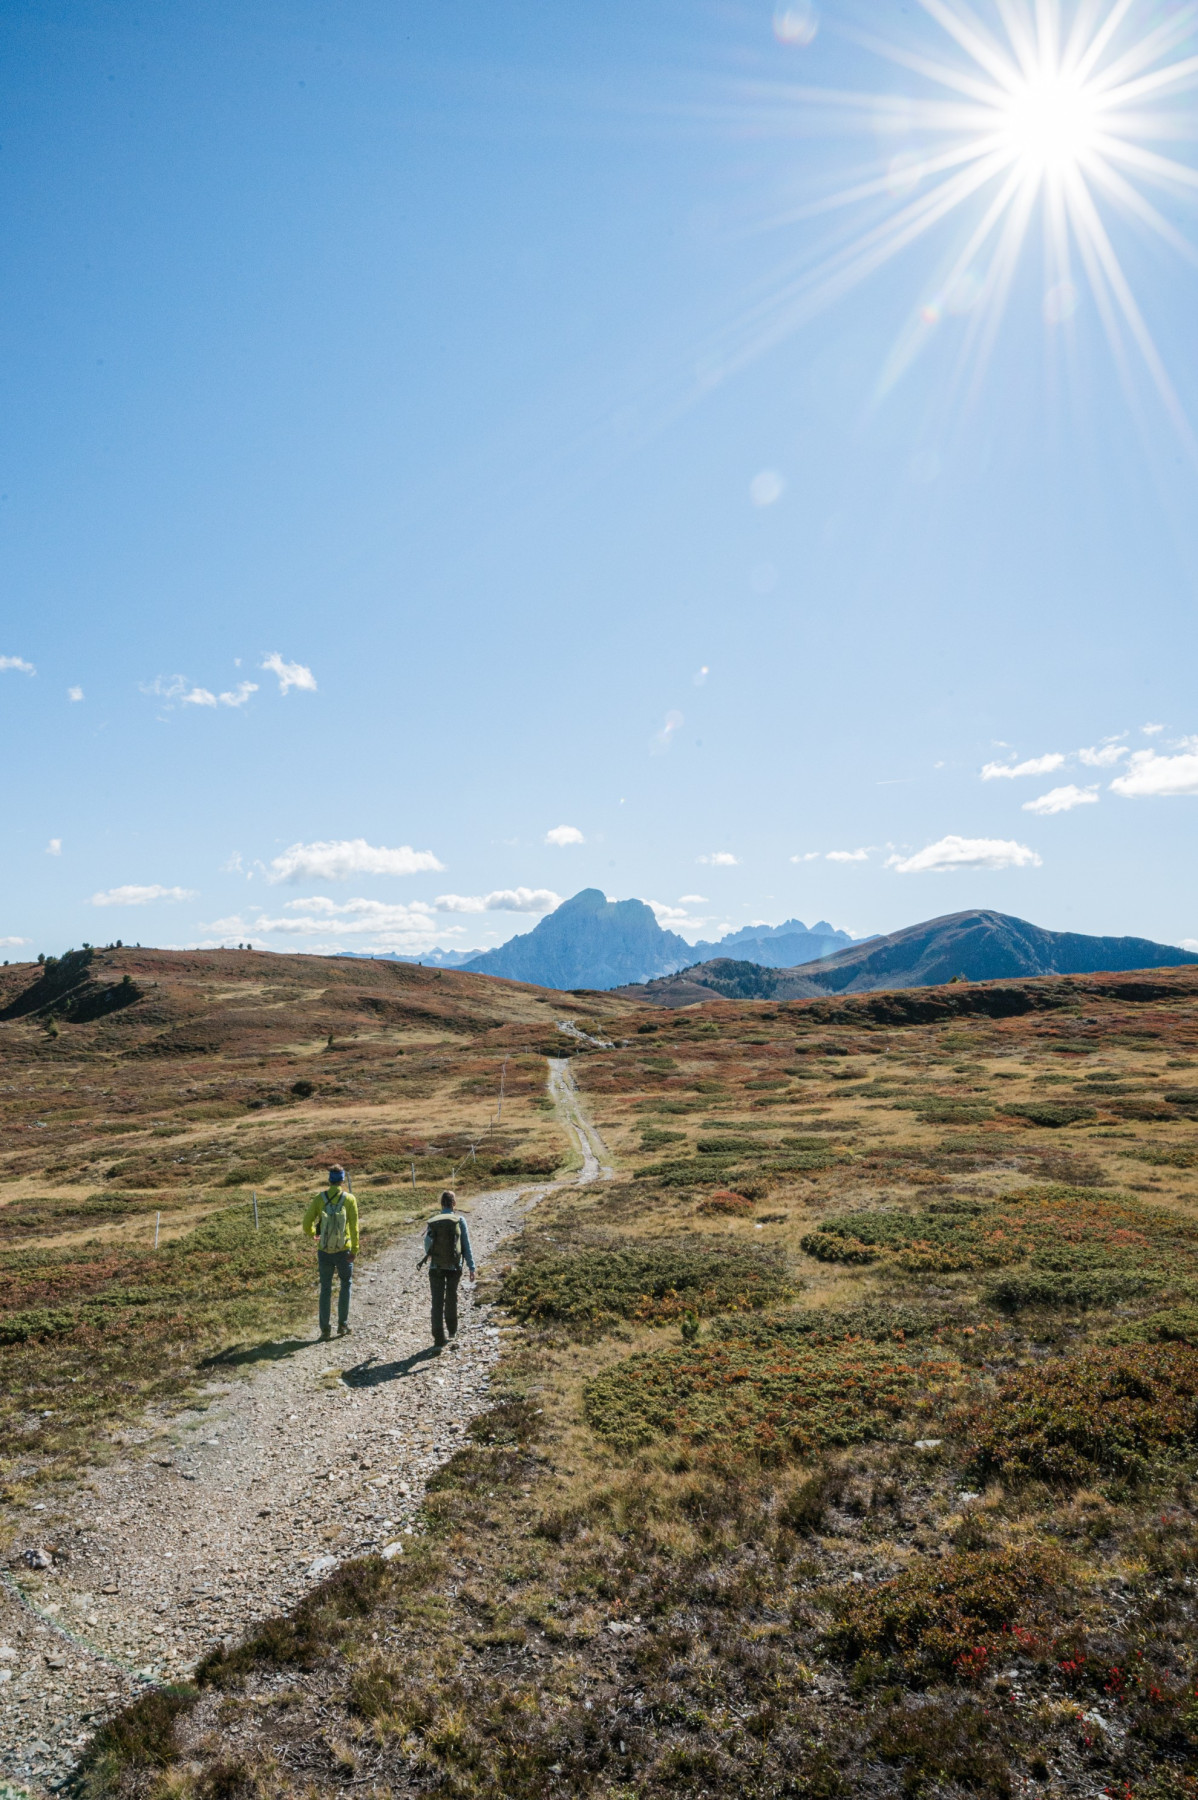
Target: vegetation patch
947, 1618
1124, 1410
653, 1283
1065, 1230
766, 1398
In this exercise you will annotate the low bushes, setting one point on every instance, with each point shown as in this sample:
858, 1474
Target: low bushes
654, 1283
1076, 1289
948, 1617
763, 1397
1115, 1411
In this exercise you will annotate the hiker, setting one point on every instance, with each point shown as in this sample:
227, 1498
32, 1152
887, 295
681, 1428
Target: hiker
332, 1218
446, 1248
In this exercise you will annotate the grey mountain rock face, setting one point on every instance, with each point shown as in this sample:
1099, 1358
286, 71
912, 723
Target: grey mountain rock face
589, 942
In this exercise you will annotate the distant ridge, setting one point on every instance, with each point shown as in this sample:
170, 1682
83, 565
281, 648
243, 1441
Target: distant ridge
588, 942
978, 946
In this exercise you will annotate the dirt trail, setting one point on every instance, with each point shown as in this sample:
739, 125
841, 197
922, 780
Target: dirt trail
223, 1516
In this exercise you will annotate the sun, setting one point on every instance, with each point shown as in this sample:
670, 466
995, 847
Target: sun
1064, 115
1052, 123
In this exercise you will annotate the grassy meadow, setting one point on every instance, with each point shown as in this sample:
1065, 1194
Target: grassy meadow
227, 1074
846, 1445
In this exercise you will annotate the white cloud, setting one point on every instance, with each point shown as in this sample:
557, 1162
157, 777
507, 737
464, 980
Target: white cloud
74, 693
661, 740
339, 859
1061, 799
140, 896
240, 694
807, 856
561, 835
509, 900
291, 675
1186, 943
720, 859
1151, 776
1035, 765
767, 487
692, 899
12, 943
388, 926
1103, 756
1151, 730
198, 696
20, 665
178, 687
847, 856
54, 847
965, 853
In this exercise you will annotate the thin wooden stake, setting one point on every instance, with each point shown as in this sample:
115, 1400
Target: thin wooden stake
255, 1209
157, 1223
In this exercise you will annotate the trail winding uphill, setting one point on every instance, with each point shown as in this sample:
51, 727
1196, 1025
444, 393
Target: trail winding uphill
221, 1516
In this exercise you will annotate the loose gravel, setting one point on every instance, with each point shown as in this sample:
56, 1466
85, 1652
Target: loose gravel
229, 1512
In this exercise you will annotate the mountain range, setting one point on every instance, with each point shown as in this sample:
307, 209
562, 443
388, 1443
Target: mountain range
971, 946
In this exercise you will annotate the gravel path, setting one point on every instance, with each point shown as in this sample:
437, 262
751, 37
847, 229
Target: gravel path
223, 1516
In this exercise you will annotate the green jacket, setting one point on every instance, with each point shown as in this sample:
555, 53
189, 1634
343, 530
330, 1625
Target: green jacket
316, 1207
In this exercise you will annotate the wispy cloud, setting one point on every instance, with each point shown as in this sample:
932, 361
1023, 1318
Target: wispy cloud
807, 856
561, 835
14, 943
140, 896
1150, 775
74, 694
54, 847
199, 696
388, 926
1103, 756
661, 740
1035, 765
950, 853
509, 900
720, 859
1151, 730
21, 667
339, 859
692, 899
1061, 799
290, 674
847, 856
239, 695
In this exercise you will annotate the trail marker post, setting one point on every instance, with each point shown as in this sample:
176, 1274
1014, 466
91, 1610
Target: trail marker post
157, 1223
255, 1209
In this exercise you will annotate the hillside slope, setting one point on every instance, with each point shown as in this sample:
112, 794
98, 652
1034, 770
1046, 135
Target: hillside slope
975, 946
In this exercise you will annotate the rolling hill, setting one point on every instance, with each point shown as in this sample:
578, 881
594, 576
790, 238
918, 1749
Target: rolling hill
971, 946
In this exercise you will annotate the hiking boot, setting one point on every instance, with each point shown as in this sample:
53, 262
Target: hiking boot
344, 1330
325, 1335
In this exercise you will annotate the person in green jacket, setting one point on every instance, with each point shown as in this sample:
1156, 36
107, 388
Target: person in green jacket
332, 1218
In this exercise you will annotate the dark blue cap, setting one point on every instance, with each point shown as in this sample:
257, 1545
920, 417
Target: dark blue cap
337, 1175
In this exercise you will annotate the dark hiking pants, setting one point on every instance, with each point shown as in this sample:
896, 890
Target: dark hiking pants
334, 1262
444, 1286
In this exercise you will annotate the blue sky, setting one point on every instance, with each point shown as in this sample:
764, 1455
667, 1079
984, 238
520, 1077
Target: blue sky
435, 475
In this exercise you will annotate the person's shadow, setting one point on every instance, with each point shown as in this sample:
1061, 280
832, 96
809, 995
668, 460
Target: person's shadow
370, 1374
274, 1350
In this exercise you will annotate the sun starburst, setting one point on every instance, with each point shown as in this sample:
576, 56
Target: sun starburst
1035, 109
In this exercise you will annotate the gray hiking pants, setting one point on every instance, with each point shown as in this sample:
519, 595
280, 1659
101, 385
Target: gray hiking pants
334, 1262
443, 1284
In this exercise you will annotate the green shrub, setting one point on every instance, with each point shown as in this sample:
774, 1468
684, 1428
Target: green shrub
1079, 1290
654, 1283
1114, 1411
946, 1617
1052, 1114
768, 1399
1174, 1325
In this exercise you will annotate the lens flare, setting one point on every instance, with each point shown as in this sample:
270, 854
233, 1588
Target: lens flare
1065, 114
